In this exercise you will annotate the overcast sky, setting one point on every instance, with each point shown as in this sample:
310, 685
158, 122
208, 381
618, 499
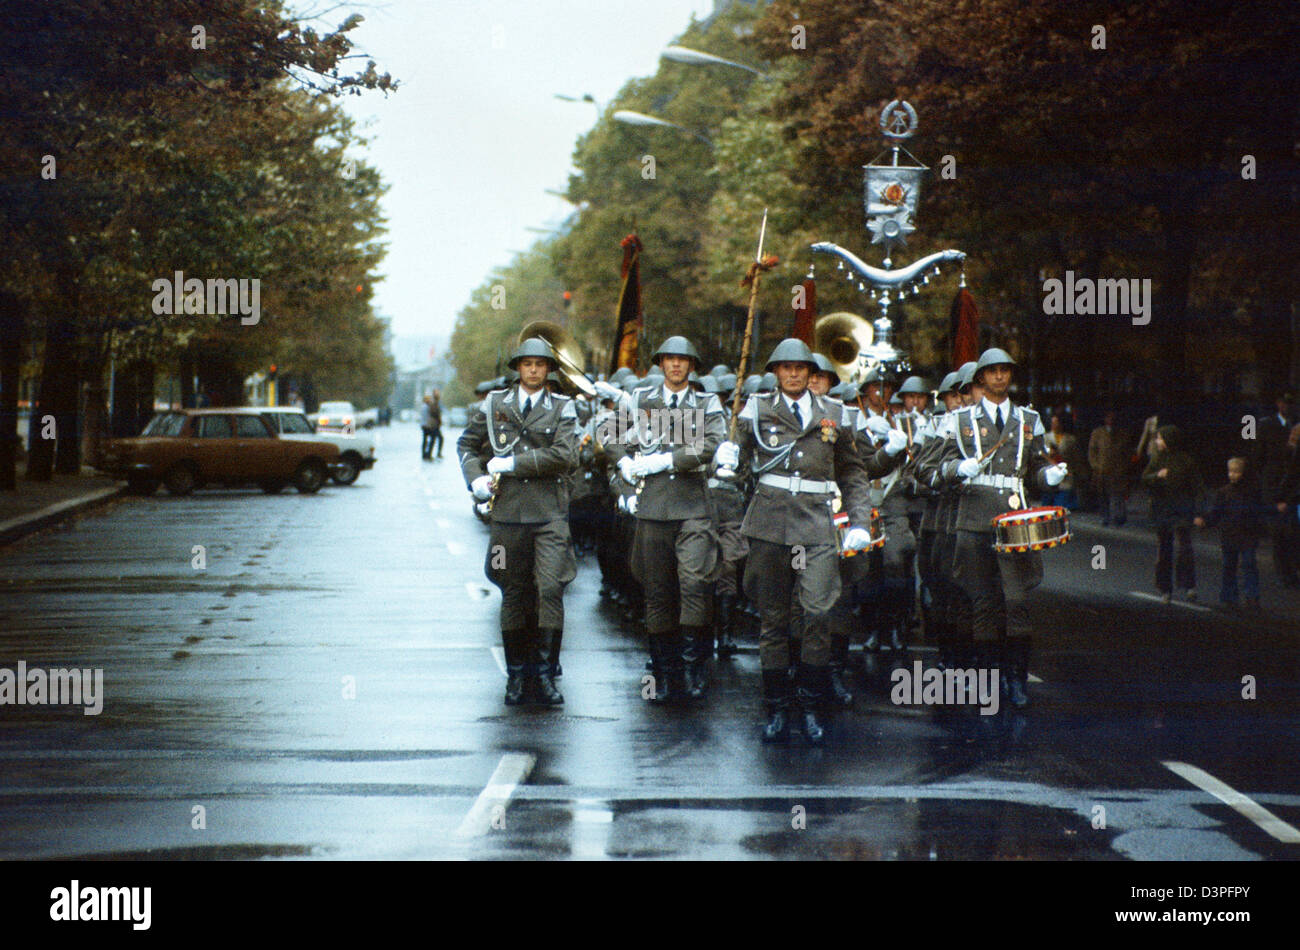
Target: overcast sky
474, 136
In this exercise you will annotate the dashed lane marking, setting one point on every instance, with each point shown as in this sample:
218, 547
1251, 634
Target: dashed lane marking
1175, 602
491, 803
1240, 803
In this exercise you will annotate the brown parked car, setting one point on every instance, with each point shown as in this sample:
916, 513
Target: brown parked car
187, 448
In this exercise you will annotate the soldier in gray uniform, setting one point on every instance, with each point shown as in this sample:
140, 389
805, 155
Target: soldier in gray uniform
935, 584
664, 451
799, 448
995, 453
520, 450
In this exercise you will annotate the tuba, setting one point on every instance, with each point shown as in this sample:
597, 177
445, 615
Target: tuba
566, 351
843, 338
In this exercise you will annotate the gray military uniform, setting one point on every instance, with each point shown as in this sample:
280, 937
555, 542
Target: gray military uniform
792, 537
997, 584
530, 554
675, 548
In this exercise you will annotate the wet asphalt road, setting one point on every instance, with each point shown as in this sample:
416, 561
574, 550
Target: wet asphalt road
227, 688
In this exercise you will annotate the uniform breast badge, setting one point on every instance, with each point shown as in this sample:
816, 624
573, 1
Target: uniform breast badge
772, 440
829, 432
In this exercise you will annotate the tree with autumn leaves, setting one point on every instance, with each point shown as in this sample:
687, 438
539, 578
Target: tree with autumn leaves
143, 137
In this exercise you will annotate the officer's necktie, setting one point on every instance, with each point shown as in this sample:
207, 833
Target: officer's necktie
798, 417
998, 420
672, 403
528, 406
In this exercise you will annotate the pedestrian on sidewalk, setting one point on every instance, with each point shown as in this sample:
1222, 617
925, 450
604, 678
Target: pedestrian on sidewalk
1239, 515
1174, 481
430, 425
1063, 446
1108, 457
1274, 454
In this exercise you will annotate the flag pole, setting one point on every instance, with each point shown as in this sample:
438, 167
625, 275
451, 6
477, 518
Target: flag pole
751, 277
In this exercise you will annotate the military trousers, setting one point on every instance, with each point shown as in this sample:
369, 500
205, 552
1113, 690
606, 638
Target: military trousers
773, 575
676, 563
532, 564
997, 585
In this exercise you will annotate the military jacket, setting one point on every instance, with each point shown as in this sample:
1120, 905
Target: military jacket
822, 450
1017, 465
544, 447
692, 433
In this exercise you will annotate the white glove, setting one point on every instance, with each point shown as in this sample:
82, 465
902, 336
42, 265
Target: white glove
631, 503
622, 502
919, 436
627, 468
608, 390
856, 539
654, 464
1055, 474
727, 455
878, 427
482, 487
895, 442
498, 465
968, 468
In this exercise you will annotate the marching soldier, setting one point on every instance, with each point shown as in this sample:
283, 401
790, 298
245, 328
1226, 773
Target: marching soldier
797, 445
675, 547
995, 452
528, 437
934, 580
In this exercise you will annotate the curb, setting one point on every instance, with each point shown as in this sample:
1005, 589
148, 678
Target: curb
24, 525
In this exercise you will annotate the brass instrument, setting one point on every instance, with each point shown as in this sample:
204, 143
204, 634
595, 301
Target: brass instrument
566, 351
841, 337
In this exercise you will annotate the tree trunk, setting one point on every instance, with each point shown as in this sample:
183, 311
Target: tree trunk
56, 400
11, 342
187, 382
1169, 315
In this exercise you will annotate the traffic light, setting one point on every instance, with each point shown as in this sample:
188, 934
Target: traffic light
568, 299
270, 373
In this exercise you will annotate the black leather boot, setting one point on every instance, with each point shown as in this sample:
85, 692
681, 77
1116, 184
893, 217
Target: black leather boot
553, 654
725, 622
839, 669
670, 678
1017, 655
812, 693
512, 643
776, 703
697, 647
544, 691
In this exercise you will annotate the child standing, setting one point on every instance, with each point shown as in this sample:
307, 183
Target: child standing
1238, 512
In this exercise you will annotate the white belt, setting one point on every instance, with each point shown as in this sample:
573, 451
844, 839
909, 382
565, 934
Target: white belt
797, 484
1009, 482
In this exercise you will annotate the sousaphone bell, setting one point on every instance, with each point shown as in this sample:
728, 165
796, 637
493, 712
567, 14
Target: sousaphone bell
566, 351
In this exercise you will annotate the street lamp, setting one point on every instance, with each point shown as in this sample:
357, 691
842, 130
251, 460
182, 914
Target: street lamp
680, 54
628, 117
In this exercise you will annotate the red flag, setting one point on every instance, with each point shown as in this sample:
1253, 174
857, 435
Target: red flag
630, 319
964, 328
805, 317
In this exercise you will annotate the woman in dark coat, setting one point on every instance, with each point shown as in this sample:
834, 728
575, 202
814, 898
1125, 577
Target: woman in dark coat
1174, 481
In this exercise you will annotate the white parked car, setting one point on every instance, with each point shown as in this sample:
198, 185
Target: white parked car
343, 416
356, 449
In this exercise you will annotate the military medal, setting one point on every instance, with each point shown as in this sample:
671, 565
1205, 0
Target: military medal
968, 432
1014, 500
984, 430
772, 441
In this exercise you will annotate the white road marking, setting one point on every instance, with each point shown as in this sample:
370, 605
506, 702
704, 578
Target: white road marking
513, 769
1175, 602
1256, 812
592, 823
499, 654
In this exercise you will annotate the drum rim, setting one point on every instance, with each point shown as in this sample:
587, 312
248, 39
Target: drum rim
1042, 513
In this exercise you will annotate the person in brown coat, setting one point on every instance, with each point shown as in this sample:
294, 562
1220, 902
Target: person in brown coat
1108, 457
1174, 482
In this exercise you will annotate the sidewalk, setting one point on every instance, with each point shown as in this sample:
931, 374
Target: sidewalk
36, 505
1274, 598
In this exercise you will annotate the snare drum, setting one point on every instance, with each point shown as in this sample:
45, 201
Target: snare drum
875, 528
1031, 529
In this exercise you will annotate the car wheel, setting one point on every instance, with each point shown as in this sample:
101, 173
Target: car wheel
142, 486
310, 477
272, 486
180, 479
348, 469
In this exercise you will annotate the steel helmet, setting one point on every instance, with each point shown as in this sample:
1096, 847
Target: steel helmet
993, 356
630, 382
676, 346
826, 366
752, 384
949, 384
533, 346
620, 374
727, 383
768, 383
719, 371
654, 373
914, 384
708, 384
483, 387
966, 375
792, 350
896, 400
845, 392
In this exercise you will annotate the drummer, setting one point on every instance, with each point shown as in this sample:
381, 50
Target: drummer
994, 452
